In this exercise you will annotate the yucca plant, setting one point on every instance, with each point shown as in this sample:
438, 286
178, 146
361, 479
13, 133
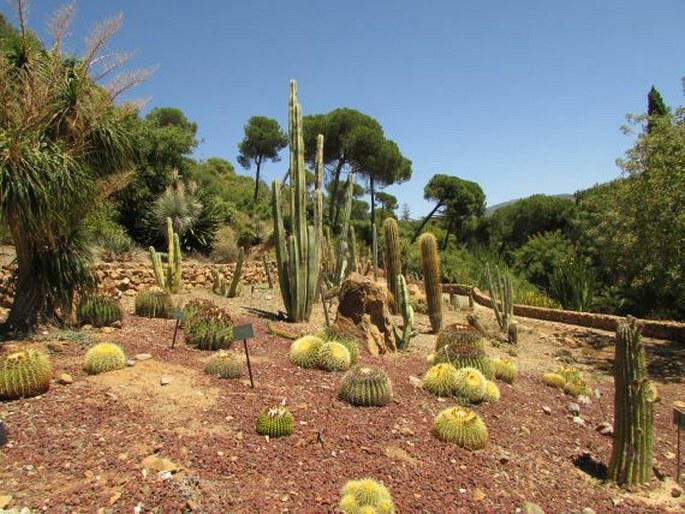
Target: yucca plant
98, 310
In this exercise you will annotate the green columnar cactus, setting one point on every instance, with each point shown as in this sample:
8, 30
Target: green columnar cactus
462, 355
430, 263
24, 374
492, 393
299, 253
462, 427
470, 385
505, 370
501, 297
224, 364
304, 352
407, 312
104, 357
393, 256
342, 262
231, 293
441, 379
634, 397
168, 278
374, 249
365, 496
267, 271
459, 333
333, 357
354, 256
98, 310
366, 386
155, 303
275, 422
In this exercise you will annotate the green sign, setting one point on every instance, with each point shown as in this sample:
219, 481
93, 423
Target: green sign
178, 314
679, 415
243, 332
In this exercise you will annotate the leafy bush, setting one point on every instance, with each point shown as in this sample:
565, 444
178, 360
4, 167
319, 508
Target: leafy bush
572, 284
542, 254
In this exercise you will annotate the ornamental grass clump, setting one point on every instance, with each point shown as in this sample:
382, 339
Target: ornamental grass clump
365, 496
207, 326
224, 364
461, 426
98, 310
24, 374
154, 303
366, 386
275, 422
441, 379
104, 357
304, 352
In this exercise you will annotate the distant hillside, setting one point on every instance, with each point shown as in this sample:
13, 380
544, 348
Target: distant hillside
492, 208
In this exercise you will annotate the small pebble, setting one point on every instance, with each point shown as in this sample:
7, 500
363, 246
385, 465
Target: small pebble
547, 410
587, 510
143, 356
65, 379
573, 408
165, 381
578, 421
676, 492
130, 363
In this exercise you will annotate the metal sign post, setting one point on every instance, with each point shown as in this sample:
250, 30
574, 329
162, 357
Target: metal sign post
245, 332
178, 315
679, 422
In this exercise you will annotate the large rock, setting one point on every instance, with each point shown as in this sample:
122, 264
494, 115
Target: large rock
363, 314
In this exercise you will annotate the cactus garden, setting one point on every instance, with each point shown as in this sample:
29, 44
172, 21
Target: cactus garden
174, 339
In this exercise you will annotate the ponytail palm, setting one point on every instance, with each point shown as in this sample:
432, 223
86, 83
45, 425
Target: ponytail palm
61, 138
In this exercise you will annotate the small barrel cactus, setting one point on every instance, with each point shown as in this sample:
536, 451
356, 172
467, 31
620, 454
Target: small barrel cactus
207, 326
104, 357
441, 379
569, 373
365, 496
224, 364
553, 380
98, 310
334, 357
463, 355
577, 387
492, 393
505, 370
462, 427
459, 333
24, 374
366, 386
304, 352
470, 385
275, 422
351, 344
154, 303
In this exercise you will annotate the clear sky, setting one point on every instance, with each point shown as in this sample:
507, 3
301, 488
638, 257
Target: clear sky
522, 96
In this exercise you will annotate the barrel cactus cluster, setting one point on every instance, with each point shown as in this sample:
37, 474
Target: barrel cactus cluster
275, 422
104, 357
24, 374
365, 496
505, 370
463, 346
366, 386
569, 380
312, 351
98, 310
461, 426
207, 326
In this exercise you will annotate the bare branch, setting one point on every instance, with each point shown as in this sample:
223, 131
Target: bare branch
59, 23
125, 81
99, 36
107, 63
22, 8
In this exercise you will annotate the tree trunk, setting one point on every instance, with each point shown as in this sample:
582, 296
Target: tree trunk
258, 162
447, 233
373, 200
425, 220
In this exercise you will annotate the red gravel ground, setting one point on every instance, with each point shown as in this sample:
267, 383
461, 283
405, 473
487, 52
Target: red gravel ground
101, 442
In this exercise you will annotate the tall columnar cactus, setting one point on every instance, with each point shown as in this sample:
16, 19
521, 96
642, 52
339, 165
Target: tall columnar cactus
298, 254
354, 255
634, 397
232, 290
407, 312
393, 255
342, 267
501, 297
168, 278
430, 262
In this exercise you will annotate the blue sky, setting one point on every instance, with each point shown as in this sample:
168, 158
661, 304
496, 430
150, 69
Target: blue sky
522, 97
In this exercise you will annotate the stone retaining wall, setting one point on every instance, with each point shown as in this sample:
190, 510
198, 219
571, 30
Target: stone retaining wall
669, 330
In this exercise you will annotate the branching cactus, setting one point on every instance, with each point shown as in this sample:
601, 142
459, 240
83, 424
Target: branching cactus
298, 254
168, 278
430, 262
393, 255
233, 289
634, 397
501, 297
407, 312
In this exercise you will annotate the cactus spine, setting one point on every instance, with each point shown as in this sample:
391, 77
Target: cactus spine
236, 274
393, 255
169, 278
501, 297
298, 254
407, 313
430, 262
631, 458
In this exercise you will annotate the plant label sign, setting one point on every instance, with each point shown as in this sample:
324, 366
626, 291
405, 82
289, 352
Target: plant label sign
679, 415
245, 332
178, 315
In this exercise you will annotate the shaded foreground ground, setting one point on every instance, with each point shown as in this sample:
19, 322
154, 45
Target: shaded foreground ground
122, 440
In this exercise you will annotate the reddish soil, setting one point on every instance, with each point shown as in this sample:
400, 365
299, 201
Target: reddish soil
101, 442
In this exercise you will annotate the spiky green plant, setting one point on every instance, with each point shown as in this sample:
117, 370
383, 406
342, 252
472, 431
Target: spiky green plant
365, 496
24, 374
298, 254
441, 379
98, 310
304, 352
366, 386
634, 397
492, 392
577, 387
168, 277
393, 256
351, 344
233, 288
470, 385
104, 357
430, 263
459, 333
154, 303
207, 326
462, 355
275, 422
505, 370
461, 426
553, 380
569, 373
501, 297
405, 309
334, 357
224, 364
